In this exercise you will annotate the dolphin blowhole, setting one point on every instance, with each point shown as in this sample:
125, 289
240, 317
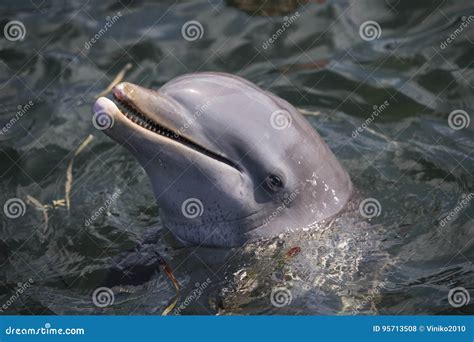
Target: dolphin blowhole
244, 161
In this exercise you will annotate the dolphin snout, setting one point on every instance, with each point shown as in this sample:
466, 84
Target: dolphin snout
104, 105
121, 91
105, 115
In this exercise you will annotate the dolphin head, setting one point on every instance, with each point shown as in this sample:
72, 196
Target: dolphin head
228, 161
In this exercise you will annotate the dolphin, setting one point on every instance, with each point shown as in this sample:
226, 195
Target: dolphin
228, 161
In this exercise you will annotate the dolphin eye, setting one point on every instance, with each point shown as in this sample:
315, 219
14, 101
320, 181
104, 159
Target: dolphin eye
274, 182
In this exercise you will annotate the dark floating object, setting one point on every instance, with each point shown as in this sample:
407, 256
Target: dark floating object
293, 252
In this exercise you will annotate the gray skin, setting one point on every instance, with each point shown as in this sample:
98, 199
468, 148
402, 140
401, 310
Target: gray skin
253, 161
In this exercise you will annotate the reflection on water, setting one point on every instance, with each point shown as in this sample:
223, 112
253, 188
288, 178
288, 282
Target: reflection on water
381, 99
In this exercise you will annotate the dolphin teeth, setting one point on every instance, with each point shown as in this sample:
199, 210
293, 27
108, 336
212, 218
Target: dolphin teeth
143, 121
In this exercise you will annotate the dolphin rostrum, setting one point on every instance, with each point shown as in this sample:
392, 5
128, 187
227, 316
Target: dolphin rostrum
228, 161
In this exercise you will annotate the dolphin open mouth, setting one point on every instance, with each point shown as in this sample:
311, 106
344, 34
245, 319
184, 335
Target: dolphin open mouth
140, 119
137, 117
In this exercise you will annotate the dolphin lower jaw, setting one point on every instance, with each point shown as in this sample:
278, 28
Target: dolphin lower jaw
232, 233
266, 223
236, 233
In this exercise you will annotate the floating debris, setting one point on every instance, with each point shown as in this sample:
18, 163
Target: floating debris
67, 187
308, 112
59, 203
169, 272
293, 252
68, 184
44, 208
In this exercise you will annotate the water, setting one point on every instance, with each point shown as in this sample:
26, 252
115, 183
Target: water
408, 158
